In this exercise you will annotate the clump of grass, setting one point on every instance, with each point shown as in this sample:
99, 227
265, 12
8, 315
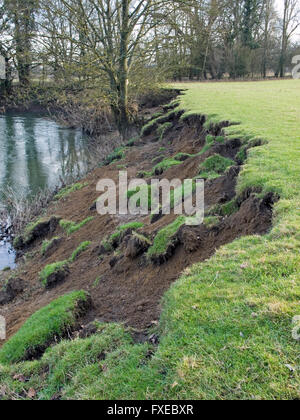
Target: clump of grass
211, 221
224, 210
157, 115
183, 156
72, 227
158, 158
142, 238
42, 328
116, 155
220, 139
81, 248
242, 154
164, 238
47, 244
155, 122
50, 269
18, 242
210, 142
97, 282
74, 365
214, 166
34, 230
148, 127
162, 129
64, 192
144, 174
229, 208
107, 246
165, 165
132, 142
115, 237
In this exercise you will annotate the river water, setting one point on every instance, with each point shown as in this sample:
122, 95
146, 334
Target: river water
34, 153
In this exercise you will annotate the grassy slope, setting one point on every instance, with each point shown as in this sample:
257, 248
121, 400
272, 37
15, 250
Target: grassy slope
226, 330
228, 321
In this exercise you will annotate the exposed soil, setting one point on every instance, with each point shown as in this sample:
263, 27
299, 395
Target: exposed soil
125, 287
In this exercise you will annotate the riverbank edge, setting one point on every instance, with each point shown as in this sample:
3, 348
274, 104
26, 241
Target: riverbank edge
175, 336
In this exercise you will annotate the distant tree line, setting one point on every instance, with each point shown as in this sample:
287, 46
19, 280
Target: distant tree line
121, 46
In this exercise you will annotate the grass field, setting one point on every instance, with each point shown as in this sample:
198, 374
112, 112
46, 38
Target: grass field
226, 326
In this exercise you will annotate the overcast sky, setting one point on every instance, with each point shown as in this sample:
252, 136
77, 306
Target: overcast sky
279, 6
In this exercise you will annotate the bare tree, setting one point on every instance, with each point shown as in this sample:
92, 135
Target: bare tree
290, 23
114, 34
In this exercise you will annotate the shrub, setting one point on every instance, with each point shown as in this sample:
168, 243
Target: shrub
43, 327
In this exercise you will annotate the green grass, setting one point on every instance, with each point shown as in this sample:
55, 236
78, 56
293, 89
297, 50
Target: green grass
64, 192
123, 228
211, 221
47, 244
215, 166
182, 156
51, 269
226, 324
72, 227
165, 165
210, 142
223, 210
159, 120
228, 328
80, 369
116, 155
163, 128
164, 238
42, 327
79, 250
132, 142
28, 233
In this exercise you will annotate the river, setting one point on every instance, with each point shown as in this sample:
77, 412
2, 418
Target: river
34, 153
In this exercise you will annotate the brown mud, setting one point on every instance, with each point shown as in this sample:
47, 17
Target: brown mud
125, 286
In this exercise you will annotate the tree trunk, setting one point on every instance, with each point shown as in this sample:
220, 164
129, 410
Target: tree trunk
121, 111
282, 61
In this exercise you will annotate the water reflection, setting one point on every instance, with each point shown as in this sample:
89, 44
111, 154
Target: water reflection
34, 154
